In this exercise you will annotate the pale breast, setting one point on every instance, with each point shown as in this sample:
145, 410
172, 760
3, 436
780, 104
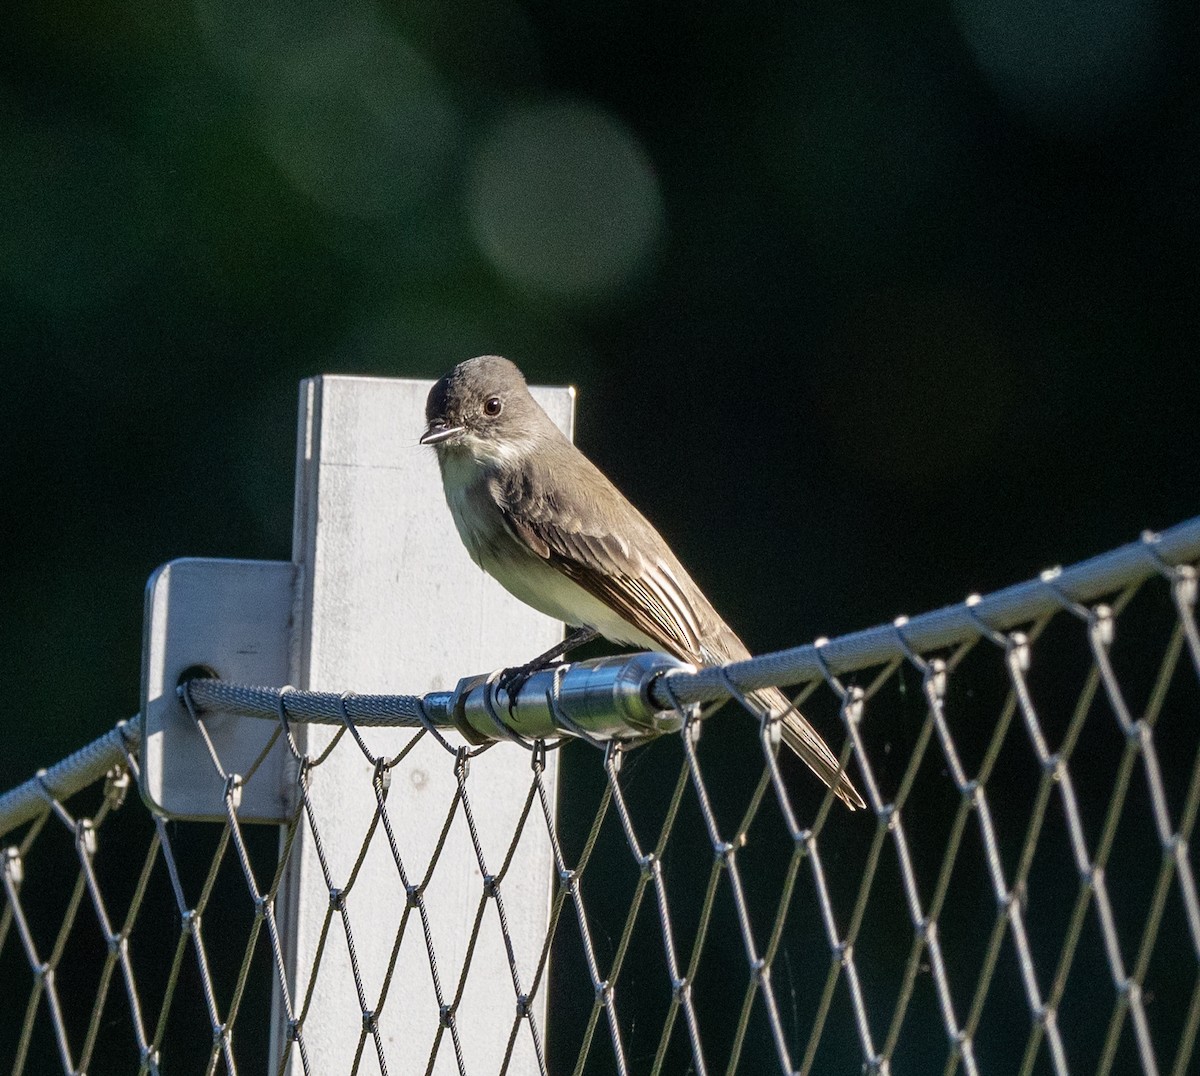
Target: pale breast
501, 554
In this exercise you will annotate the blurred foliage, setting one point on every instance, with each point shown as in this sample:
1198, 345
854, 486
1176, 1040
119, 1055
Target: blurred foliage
869, 305
899, 303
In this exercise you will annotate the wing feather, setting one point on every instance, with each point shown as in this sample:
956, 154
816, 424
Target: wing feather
635, 575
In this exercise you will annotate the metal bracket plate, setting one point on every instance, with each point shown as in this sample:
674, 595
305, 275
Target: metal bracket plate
233, 617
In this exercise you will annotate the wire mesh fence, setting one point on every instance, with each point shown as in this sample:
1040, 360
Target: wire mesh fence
1019, 897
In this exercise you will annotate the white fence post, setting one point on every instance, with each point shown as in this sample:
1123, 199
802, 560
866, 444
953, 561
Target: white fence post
388, 601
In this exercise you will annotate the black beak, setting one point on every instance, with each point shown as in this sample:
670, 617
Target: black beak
439, 432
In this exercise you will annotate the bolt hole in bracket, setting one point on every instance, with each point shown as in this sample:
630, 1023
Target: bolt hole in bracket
205, 618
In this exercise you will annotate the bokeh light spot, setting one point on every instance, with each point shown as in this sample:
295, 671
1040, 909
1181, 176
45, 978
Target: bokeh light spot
358, 123
243, 39
564, 202
1063, 64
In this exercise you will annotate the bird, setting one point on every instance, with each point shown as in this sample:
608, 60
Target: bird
544, 521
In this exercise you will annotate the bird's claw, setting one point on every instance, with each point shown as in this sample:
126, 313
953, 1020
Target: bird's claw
510, 681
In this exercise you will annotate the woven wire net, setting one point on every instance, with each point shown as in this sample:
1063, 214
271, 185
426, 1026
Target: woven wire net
1018, 897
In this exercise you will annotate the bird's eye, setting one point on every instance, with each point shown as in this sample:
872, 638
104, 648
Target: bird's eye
492, 406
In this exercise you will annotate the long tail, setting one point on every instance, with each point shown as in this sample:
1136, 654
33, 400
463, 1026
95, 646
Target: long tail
721, 646
802, 738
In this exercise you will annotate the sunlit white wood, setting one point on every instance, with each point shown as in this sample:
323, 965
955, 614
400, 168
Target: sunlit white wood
390, 602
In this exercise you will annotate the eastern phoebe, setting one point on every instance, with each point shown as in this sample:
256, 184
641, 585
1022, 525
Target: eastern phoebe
536, 514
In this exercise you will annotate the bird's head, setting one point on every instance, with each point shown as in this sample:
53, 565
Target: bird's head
483, 407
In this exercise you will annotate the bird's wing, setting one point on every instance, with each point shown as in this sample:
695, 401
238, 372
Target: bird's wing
633, 573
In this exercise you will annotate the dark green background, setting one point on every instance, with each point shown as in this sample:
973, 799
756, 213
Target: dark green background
910, 308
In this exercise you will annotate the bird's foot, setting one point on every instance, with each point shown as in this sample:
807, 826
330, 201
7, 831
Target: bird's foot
510, 681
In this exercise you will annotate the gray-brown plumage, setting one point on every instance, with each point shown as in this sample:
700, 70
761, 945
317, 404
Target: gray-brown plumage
540, 517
